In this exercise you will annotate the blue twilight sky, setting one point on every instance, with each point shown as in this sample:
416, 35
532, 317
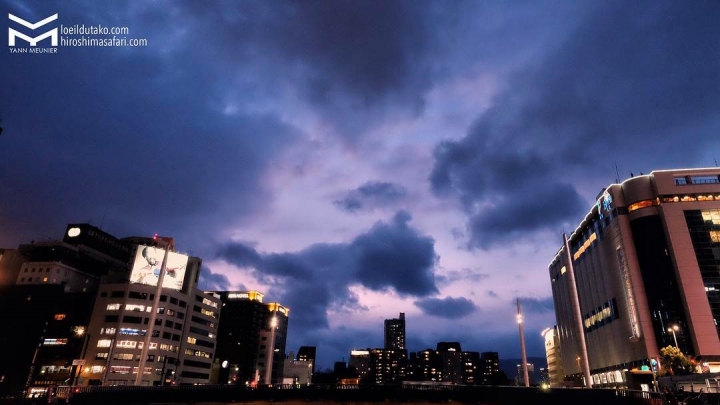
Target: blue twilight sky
357, 159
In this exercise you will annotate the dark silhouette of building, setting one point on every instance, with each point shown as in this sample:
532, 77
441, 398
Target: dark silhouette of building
490, 369
395, 333
251, 338
307, 353
451, 359
472, 368
49, 293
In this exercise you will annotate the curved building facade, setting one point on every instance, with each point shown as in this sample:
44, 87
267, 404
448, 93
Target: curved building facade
646, 260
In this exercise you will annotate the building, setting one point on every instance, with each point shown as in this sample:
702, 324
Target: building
425, 365
471, 364
360, 361
644, 260
395, 333
271, 350
490, 369
554, 371
244, 316
181, 346
451, 360
298, 371
308, 353
48, 293
521, 374
247, 338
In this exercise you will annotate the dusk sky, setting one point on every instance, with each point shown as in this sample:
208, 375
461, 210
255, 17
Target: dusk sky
356, 159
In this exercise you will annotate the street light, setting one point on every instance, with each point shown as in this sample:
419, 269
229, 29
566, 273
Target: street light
673, 329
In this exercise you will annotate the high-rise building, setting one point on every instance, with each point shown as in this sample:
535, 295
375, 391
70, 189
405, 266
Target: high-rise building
360, 361
645, 262
252, 333
451, 360
471, 368
555, 374
395, 333
490, 368
182, 343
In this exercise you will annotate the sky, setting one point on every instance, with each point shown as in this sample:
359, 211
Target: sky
356, 159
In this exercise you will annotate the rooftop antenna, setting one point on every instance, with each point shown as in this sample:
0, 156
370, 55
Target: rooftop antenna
617, 174
714, 158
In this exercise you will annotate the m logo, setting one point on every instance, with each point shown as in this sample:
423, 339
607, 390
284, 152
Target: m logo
53, 33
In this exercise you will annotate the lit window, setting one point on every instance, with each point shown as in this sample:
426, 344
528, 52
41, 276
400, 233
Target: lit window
640, 204
104, 343
715, 236
97, 369
191, 340
113, 307
60, 317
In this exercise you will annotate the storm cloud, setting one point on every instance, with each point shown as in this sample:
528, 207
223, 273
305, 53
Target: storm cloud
617, 89
390, 256
448, 307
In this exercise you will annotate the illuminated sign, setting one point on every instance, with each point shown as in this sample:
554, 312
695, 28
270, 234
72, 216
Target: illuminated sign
604, 204
147, 265
359, 353
238, 295
73, 232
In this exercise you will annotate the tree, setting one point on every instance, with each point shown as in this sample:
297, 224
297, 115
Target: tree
674, 362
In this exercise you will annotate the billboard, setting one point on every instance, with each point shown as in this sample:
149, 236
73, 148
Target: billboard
148, 262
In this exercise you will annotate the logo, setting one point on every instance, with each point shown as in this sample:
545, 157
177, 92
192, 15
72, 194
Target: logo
52, 34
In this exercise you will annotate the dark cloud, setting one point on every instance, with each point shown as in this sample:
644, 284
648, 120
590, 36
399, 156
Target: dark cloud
448, 307
371, 195
134, 148
619, 88
536, 305
390, 256
491, 293
210, 281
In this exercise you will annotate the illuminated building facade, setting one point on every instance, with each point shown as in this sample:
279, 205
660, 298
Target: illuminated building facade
183, 340
555, 373
645, 261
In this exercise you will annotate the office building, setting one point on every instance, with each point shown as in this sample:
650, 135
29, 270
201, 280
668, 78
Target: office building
645, 262
271, 351
451, 361
471, 363
183, 340
297, 372
360, 361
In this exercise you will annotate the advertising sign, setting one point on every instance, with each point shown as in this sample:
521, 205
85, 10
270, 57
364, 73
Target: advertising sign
147, 264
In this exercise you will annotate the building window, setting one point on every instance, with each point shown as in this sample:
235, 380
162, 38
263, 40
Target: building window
104, 343
60, 317
191, 340
114, 307
117, 294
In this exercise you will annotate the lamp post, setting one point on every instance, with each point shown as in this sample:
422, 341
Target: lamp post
522, 344
673, 329
153, 316
271, 352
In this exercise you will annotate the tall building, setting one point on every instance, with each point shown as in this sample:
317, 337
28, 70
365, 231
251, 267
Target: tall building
251, 333
244, 316
395, 333
555, 374
271, 353
182, 343
645, 260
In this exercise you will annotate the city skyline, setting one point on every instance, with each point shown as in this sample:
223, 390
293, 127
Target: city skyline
354, 160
